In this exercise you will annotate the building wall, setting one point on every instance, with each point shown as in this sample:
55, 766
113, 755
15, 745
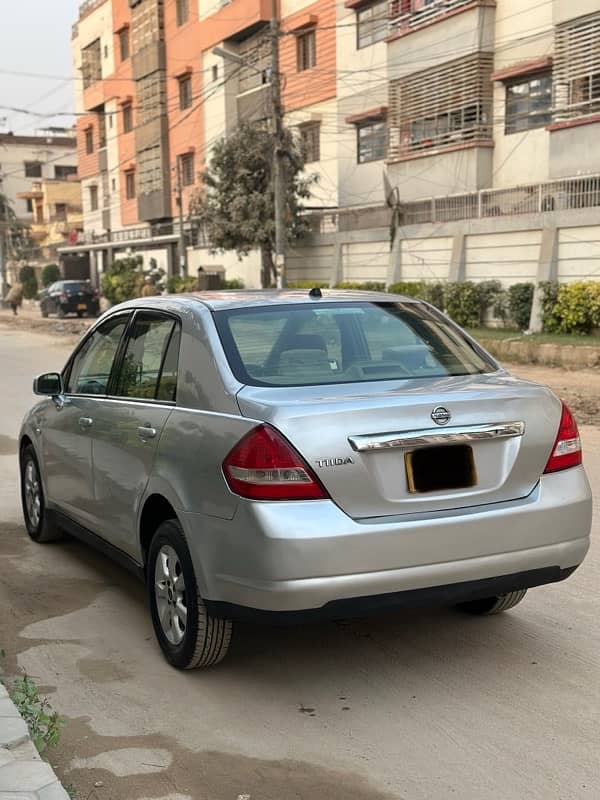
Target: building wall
16, 150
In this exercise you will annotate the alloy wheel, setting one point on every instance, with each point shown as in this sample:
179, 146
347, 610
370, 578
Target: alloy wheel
33, 495
170, 594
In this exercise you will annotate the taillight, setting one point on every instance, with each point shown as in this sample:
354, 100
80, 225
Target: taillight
567, 448
264, 466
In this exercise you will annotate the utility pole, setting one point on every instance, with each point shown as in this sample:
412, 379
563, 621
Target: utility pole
279, 183
183, 256
3, 278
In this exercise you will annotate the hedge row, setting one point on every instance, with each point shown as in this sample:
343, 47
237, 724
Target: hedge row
566, 307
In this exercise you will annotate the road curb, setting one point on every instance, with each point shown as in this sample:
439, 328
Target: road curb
23, 774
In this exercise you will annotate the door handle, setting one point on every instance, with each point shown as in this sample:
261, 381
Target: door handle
86, 422
146, 432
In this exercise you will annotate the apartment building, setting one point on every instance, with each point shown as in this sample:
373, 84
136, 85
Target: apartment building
27, 158
57, 216
476, 120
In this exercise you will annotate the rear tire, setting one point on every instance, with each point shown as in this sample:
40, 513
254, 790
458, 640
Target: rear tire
493, 605
44, 313
187, 634
39, 528
61, 312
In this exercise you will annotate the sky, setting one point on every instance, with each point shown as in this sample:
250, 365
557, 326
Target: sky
35, 37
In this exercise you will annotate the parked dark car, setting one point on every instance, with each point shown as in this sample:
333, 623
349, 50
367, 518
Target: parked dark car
70, 297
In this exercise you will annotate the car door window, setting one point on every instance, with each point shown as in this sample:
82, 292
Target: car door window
149, 367
93, 362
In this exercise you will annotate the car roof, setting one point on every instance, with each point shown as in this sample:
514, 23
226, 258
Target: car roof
223, 300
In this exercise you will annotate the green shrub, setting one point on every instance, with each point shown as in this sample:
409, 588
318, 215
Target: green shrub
308, 285
429, 292
180, 284
577, 307
43, 722
463, 303
491, 295
366, 286
549, 296
29, 282
50, 274
123, 280
520, 300
234, 283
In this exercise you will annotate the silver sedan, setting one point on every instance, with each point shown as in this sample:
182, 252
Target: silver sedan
297, 455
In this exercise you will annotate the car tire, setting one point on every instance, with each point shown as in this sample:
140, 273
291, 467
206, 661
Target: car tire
192, 639
61, 312
44, 313
493, 605
38, 525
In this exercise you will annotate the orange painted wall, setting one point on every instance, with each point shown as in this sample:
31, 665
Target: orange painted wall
319, 83
123, 87
186, 128
88, 164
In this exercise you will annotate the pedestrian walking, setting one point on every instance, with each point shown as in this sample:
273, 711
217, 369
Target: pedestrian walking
15, 298
149, 289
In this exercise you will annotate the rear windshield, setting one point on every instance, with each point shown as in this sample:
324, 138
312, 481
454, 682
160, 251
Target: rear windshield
304, 345
70, 287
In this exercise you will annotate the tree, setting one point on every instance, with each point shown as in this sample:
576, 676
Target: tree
123, 280
17, 235
29, 282
236, 202
50, 274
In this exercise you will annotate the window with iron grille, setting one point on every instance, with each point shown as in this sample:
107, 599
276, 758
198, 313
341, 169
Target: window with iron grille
33, 169
124, 44
149, 168
89, 141
185, 91
310, 139
306, 50
130, 185
101, 115
93, 198
577, 68
63, 171
256, 53
441, 107
186, 167
91, 63
151, 95
127, 118
371, 24
183, 11
528, 103
371, 140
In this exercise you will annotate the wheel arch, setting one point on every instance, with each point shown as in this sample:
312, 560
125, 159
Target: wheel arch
155, 510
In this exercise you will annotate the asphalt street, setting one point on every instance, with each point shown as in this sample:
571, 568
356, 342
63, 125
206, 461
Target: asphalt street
425, 705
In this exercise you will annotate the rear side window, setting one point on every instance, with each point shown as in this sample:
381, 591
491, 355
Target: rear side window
344, 343
93, 362
149, 367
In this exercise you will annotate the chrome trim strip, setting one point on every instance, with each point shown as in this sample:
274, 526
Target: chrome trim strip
435, 436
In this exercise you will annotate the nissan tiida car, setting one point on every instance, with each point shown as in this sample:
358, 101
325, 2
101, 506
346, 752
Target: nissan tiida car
289, 456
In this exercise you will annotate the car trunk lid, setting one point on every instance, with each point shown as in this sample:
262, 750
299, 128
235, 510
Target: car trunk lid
378, 449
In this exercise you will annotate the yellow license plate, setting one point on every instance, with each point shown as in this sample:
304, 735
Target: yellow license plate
81, 307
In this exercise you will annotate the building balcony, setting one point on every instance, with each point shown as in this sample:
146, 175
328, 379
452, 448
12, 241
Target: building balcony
407, 16
562, 195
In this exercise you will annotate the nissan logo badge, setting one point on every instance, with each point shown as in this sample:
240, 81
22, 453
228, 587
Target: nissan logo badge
441, 415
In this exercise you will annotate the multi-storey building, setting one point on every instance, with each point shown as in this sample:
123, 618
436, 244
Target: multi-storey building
27, 158
57, 215
477, 120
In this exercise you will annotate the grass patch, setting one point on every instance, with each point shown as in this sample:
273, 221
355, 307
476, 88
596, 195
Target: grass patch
499, 334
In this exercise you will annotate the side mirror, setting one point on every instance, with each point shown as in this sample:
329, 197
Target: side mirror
48, 385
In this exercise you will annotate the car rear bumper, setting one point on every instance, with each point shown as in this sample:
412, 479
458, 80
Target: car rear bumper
304, 556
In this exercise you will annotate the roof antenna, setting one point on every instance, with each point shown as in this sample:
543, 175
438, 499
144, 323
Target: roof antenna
315, 293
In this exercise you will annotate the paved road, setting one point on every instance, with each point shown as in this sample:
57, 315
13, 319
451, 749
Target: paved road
419, 706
